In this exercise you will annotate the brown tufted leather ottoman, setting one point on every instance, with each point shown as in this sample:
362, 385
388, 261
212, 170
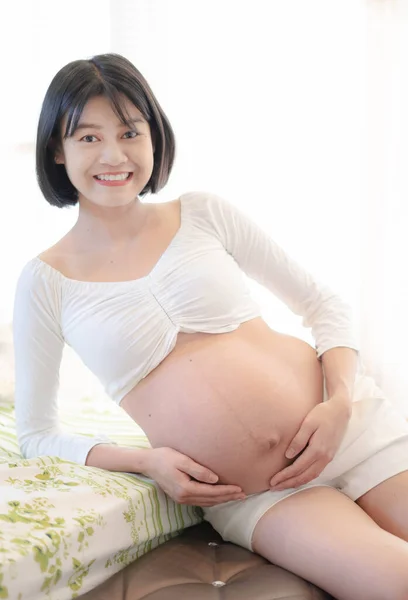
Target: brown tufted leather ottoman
198, 565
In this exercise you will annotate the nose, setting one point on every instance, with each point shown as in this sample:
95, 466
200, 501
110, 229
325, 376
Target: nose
113, 155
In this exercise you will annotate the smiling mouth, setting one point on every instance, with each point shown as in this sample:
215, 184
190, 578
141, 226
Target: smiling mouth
113, 177
113, 180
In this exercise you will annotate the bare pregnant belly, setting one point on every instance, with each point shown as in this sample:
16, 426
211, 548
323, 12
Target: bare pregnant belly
232, 402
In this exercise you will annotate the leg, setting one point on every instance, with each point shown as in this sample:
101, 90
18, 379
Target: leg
387, 504
324, 537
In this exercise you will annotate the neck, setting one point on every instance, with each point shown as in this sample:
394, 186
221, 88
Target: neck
105, 225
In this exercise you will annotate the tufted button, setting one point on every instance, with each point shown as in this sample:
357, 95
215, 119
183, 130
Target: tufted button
212, 544
218, 583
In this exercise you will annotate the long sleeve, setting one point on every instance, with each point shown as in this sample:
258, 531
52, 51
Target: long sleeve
38, 346
263, 260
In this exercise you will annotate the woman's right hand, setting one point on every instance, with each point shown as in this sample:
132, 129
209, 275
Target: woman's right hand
174, 473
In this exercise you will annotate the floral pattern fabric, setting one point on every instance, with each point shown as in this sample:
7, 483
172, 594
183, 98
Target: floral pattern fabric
65, 528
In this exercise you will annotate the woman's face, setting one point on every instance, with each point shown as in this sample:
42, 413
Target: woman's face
102, 147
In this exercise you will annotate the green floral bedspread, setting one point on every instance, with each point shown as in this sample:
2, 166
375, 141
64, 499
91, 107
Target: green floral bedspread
65, 528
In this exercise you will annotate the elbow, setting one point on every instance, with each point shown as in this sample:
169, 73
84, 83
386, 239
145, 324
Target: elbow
34, 444
328, 311
28, 445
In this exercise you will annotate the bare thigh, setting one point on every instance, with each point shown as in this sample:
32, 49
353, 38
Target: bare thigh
387, 504
324, 537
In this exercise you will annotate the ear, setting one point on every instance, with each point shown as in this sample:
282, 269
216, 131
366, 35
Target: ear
153, 138
59, 158
57, 152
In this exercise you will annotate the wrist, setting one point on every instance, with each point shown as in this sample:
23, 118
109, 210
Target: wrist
146, 461
343, 402
119, 458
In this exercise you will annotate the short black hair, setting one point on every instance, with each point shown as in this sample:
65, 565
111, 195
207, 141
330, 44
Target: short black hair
113, 76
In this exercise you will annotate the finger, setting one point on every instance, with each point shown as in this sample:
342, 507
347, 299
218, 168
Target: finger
301, 439
194, 488
197, 471
191, 487
301, 464
308, 475
212, 501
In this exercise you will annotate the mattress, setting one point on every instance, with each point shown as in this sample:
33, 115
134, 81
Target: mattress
65, 528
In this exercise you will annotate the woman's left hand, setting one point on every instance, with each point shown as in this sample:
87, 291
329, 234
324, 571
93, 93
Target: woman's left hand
320, 436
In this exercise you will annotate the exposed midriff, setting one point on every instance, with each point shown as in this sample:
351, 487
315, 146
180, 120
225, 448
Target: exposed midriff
230, 401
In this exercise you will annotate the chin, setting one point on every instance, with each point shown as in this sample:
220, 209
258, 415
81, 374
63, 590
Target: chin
105, 202
112, 202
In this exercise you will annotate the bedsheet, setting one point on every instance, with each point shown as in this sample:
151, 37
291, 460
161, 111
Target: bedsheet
65, 528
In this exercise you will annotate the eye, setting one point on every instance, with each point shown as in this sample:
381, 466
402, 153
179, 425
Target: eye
133, 132
87, 136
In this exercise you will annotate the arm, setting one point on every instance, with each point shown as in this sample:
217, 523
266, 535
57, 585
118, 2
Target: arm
263, 260
38, 346
321, 309
340, 369
119, 458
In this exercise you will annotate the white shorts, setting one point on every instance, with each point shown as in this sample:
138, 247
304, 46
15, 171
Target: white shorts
374, 448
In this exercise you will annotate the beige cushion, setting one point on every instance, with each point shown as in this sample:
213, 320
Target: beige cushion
196, 565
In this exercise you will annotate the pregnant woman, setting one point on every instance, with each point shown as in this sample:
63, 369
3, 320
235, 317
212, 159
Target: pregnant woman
292, 451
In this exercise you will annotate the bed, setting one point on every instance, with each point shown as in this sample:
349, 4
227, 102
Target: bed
65, 528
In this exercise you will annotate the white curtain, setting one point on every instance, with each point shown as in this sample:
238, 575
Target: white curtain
293, 110
384, 199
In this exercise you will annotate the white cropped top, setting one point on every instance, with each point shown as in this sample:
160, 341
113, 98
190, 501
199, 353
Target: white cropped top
123, 330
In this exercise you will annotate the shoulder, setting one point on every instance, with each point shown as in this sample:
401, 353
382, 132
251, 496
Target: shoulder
37, 300
54, 256
210, 208
206, 204
37, 277
198, 197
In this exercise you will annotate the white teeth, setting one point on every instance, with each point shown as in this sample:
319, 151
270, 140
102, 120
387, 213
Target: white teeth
120, 177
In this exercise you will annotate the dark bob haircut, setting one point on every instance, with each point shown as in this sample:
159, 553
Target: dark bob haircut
112, 76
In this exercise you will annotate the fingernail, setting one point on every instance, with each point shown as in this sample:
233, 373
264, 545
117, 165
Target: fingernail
290, 453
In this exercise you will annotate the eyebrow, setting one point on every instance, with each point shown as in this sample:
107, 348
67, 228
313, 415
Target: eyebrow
93, 126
